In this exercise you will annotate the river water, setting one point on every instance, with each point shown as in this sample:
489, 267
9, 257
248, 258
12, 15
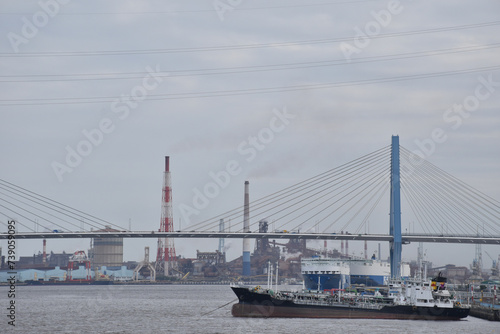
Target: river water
181, 309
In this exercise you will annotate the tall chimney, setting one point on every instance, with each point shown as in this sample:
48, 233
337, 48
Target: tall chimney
44, 258
341, 245
246, 229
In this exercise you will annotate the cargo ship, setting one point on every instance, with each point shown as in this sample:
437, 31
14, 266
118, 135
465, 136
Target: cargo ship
330, 273
402, 299
324, 273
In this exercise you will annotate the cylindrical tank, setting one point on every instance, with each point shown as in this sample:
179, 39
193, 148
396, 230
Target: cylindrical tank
107, 251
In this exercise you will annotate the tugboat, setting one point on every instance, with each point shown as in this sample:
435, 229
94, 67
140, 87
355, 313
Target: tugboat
401, 299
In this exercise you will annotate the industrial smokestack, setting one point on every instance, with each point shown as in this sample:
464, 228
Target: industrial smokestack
221, 240
366, 242
342, 245
246, 229
44, 258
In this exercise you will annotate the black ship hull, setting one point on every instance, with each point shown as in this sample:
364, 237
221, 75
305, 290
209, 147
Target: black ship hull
253, 304
73, 282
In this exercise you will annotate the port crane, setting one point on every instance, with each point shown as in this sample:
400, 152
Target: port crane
494, 265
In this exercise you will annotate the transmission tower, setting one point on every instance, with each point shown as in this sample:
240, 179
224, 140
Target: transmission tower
166, 260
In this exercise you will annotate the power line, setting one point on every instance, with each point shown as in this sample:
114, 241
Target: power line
234, 92
180, 11
239, 69
241, 46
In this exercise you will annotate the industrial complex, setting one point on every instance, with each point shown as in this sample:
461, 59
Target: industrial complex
103, 261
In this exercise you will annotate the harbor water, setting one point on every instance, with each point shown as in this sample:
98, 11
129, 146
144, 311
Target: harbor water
180, 309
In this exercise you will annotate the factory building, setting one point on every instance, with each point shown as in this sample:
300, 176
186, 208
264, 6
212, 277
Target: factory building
36, 261
106, 251
59, 274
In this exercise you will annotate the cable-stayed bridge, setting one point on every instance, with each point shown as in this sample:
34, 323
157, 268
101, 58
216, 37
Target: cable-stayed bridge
340, 204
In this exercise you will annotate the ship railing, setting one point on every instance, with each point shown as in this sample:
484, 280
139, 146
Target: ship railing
311, 302
373, 306
365, 305
368, 303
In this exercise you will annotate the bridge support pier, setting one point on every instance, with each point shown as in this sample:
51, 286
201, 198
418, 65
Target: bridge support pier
395, 211
246, 228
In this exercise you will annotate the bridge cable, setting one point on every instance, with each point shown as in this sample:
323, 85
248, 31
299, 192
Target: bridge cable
21, 215
451, 199
281, 194
349, 175
383, 185
375, 204
426, 197
39, 199
47, 213
464, 206
360, 181
312, 199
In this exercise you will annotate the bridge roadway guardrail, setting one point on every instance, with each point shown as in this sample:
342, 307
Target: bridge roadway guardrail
406, 238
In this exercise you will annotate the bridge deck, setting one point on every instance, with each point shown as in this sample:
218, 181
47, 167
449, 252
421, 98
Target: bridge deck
408, 238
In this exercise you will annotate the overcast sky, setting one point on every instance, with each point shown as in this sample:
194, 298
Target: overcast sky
333, 80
